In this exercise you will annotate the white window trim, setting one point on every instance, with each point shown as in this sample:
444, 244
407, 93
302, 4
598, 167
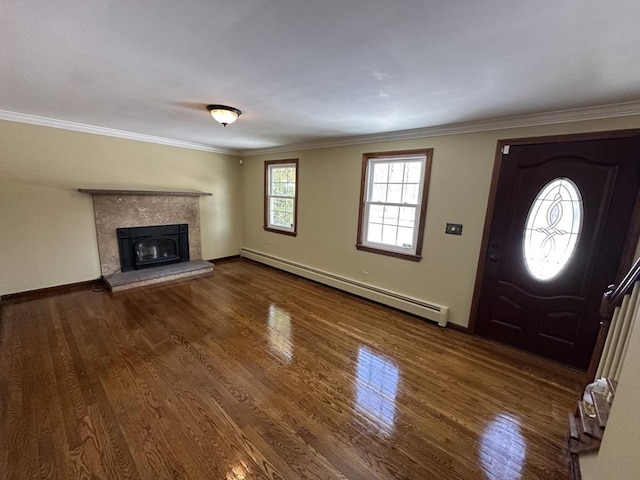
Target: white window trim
269, 167
424, 156
367, 203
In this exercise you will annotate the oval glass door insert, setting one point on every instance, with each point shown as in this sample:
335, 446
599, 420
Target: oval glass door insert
553, 226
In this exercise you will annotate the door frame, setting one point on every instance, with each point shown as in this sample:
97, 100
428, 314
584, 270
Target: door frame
633, 234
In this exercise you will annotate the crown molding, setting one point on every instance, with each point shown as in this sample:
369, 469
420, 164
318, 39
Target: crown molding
547, 118
109, 132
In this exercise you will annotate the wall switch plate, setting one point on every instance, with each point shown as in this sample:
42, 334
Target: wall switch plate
453, 229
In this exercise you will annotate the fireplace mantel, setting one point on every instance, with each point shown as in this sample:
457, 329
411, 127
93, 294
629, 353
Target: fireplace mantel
94, 191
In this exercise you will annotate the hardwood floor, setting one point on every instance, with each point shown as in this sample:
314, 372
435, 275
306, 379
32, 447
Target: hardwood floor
251, 373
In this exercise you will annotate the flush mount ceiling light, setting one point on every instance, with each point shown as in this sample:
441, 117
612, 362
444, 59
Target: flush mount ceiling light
224, 114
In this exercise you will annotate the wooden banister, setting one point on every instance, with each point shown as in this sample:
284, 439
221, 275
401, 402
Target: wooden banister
613, 296
610, 300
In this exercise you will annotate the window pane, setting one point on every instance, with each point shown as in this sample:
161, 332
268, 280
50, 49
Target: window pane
282, 204
410, 193
379, 192
394, 193
389, 233
391, 215
407, 216
288, 219
274, 217
412, 172
374, 232
396, 172
281, 218
380, 172
289, 189
286, 204
405, 237
375, 213
278, 175
291, 174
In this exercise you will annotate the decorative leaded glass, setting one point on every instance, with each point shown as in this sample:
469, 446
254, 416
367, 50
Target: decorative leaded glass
553, 228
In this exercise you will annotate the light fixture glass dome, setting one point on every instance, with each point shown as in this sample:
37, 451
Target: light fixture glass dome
224, 114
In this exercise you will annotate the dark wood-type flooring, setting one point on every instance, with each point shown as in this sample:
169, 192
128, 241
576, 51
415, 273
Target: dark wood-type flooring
252, 373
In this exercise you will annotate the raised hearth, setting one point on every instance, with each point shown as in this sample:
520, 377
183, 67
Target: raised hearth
150, 276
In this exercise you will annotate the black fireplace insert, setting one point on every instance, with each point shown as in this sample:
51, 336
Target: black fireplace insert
147, 247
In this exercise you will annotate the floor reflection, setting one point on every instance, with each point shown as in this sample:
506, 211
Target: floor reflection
503, 449
377, 384
280, 332
238, 472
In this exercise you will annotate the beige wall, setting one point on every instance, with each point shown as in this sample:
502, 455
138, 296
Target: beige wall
329, 189
47, 230
41, 168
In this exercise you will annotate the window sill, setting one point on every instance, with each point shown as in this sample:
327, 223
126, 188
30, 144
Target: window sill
405, 256
283, 232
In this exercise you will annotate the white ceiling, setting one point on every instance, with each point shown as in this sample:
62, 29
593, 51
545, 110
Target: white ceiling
310, 70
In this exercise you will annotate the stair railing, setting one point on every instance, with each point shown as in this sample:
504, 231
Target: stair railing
617, 309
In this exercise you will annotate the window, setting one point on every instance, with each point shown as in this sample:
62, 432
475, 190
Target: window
281, 196
553, 228
394, 202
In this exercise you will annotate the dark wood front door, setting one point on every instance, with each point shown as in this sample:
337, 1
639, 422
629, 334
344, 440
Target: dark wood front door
560, 220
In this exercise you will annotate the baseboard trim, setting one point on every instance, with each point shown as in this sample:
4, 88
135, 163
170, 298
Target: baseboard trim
71, 287
230, 258
49, 291
415, 306
459, 328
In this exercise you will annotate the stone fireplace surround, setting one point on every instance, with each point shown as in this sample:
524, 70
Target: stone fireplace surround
135, 208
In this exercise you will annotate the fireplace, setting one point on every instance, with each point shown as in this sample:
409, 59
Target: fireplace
148, 247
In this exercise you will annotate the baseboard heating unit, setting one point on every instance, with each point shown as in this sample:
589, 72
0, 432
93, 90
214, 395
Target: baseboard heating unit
428, 310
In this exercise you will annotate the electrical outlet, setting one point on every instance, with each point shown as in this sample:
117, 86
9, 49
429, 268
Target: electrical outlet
365, 276
453, 229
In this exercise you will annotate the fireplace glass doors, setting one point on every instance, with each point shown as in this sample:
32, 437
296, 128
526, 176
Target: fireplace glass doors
156, 249
147, 247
